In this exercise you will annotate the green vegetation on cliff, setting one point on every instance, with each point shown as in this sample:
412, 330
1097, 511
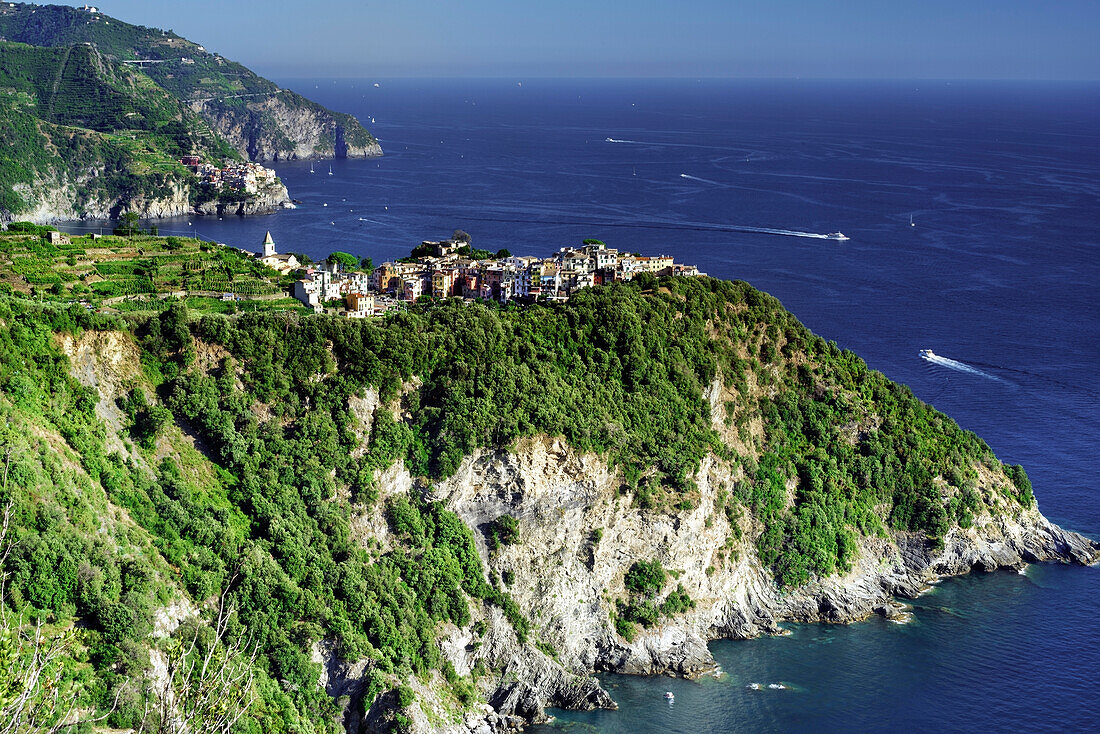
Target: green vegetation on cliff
233, 461
70, 113
81, 129
189, 72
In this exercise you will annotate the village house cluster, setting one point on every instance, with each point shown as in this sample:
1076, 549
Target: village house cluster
448, 272
325, 283
249, 178
330, 282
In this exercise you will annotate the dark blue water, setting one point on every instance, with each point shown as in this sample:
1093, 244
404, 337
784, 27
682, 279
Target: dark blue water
1000, 273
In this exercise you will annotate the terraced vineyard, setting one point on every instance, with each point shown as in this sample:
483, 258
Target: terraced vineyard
105, 270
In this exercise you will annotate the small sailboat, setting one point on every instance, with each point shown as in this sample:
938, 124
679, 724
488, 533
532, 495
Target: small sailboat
330, 170
311, 168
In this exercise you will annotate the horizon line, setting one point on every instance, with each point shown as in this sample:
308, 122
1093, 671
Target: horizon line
524, 77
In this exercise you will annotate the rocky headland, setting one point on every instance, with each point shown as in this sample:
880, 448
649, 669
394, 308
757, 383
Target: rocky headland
566, 580
447, 567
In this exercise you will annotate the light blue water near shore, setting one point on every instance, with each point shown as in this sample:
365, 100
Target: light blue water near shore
999, 275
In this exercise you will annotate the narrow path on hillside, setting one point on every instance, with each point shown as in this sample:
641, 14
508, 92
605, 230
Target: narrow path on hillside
57, 81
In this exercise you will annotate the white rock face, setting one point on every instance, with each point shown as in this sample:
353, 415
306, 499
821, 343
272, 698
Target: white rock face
59, 201
284, 131
109, 362
566, 581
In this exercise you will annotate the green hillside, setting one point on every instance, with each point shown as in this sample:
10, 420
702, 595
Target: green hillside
70, 114
100, 271
191, 73
226, 458
86, 131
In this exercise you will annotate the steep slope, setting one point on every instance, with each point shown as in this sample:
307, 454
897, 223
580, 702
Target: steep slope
452, 517
88, 137
260, 120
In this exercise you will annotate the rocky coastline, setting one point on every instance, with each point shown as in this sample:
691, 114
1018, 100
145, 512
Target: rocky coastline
61, 204
579, 532
567, 577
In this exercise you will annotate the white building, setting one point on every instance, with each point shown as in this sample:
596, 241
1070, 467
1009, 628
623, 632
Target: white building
282, 263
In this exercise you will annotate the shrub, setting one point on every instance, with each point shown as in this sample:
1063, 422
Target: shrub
645, 577
405, 696
503, 531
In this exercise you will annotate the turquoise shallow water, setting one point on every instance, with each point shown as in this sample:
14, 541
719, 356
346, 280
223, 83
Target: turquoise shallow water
999, 274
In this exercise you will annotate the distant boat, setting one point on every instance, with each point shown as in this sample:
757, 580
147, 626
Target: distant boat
836, 236
635, 170
911, 221
669, 696
311, 168
330, 170
926, 354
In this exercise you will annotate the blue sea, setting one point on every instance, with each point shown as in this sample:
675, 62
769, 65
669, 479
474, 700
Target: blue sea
998, 274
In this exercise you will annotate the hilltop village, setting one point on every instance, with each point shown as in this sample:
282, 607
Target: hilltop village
131, 270
452, 269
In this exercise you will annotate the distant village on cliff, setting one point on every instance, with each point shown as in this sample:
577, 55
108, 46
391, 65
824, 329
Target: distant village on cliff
452, 269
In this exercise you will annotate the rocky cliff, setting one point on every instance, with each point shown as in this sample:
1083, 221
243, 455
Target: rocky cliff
579, 535
286, 126
260, 120
67, 199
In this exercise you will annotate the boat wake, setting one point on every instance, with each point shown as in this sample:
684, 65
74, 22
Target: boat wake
766, 230
785, 232
701, 180
936, 359
635, 223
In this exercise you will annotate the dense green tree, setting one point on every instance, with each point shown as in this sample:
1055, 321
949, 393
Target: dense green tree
345, 259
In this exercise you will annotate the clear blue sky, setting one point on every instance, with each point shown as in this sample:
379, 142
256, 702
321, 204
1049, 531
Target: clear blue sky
983, 39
